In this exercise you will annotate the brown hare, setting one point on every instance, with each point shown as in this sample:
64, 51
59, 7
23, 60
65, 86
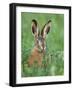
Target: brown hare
40, 43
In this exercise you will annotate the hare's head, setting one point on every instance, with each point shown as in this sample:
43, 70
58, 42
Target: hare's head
40, 36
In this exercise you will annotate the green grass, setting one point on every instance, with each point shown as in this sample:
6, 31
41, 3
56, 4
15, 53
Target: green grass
54, 42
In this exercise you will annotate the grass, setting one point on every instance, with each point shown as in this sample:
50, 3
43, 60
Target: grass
54, 56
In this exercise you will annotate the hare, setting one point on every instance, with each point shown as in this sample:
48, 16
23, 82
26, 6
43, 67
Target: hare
40, 43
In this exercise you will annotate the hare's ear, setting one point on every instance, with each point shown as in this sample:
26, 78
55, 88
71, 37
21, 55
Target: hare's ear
34, 27
46, 29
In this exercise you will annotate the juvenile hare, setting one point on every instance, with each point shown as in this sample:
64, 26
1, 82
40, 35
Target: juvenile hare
40, 43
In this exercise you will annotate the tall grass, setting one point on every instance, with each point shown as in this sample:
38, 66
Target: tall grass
54, 56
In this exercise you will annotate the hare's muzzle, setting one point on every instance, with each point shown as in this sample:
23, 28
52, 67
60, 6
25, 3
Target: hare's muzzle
41, 44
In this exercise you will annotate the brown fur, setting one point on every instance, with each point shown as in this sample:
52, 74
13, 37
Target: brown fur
35, 56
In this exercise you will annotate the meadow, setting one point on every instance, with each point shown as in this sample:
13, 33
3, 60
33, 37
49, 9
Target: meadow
54, 43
